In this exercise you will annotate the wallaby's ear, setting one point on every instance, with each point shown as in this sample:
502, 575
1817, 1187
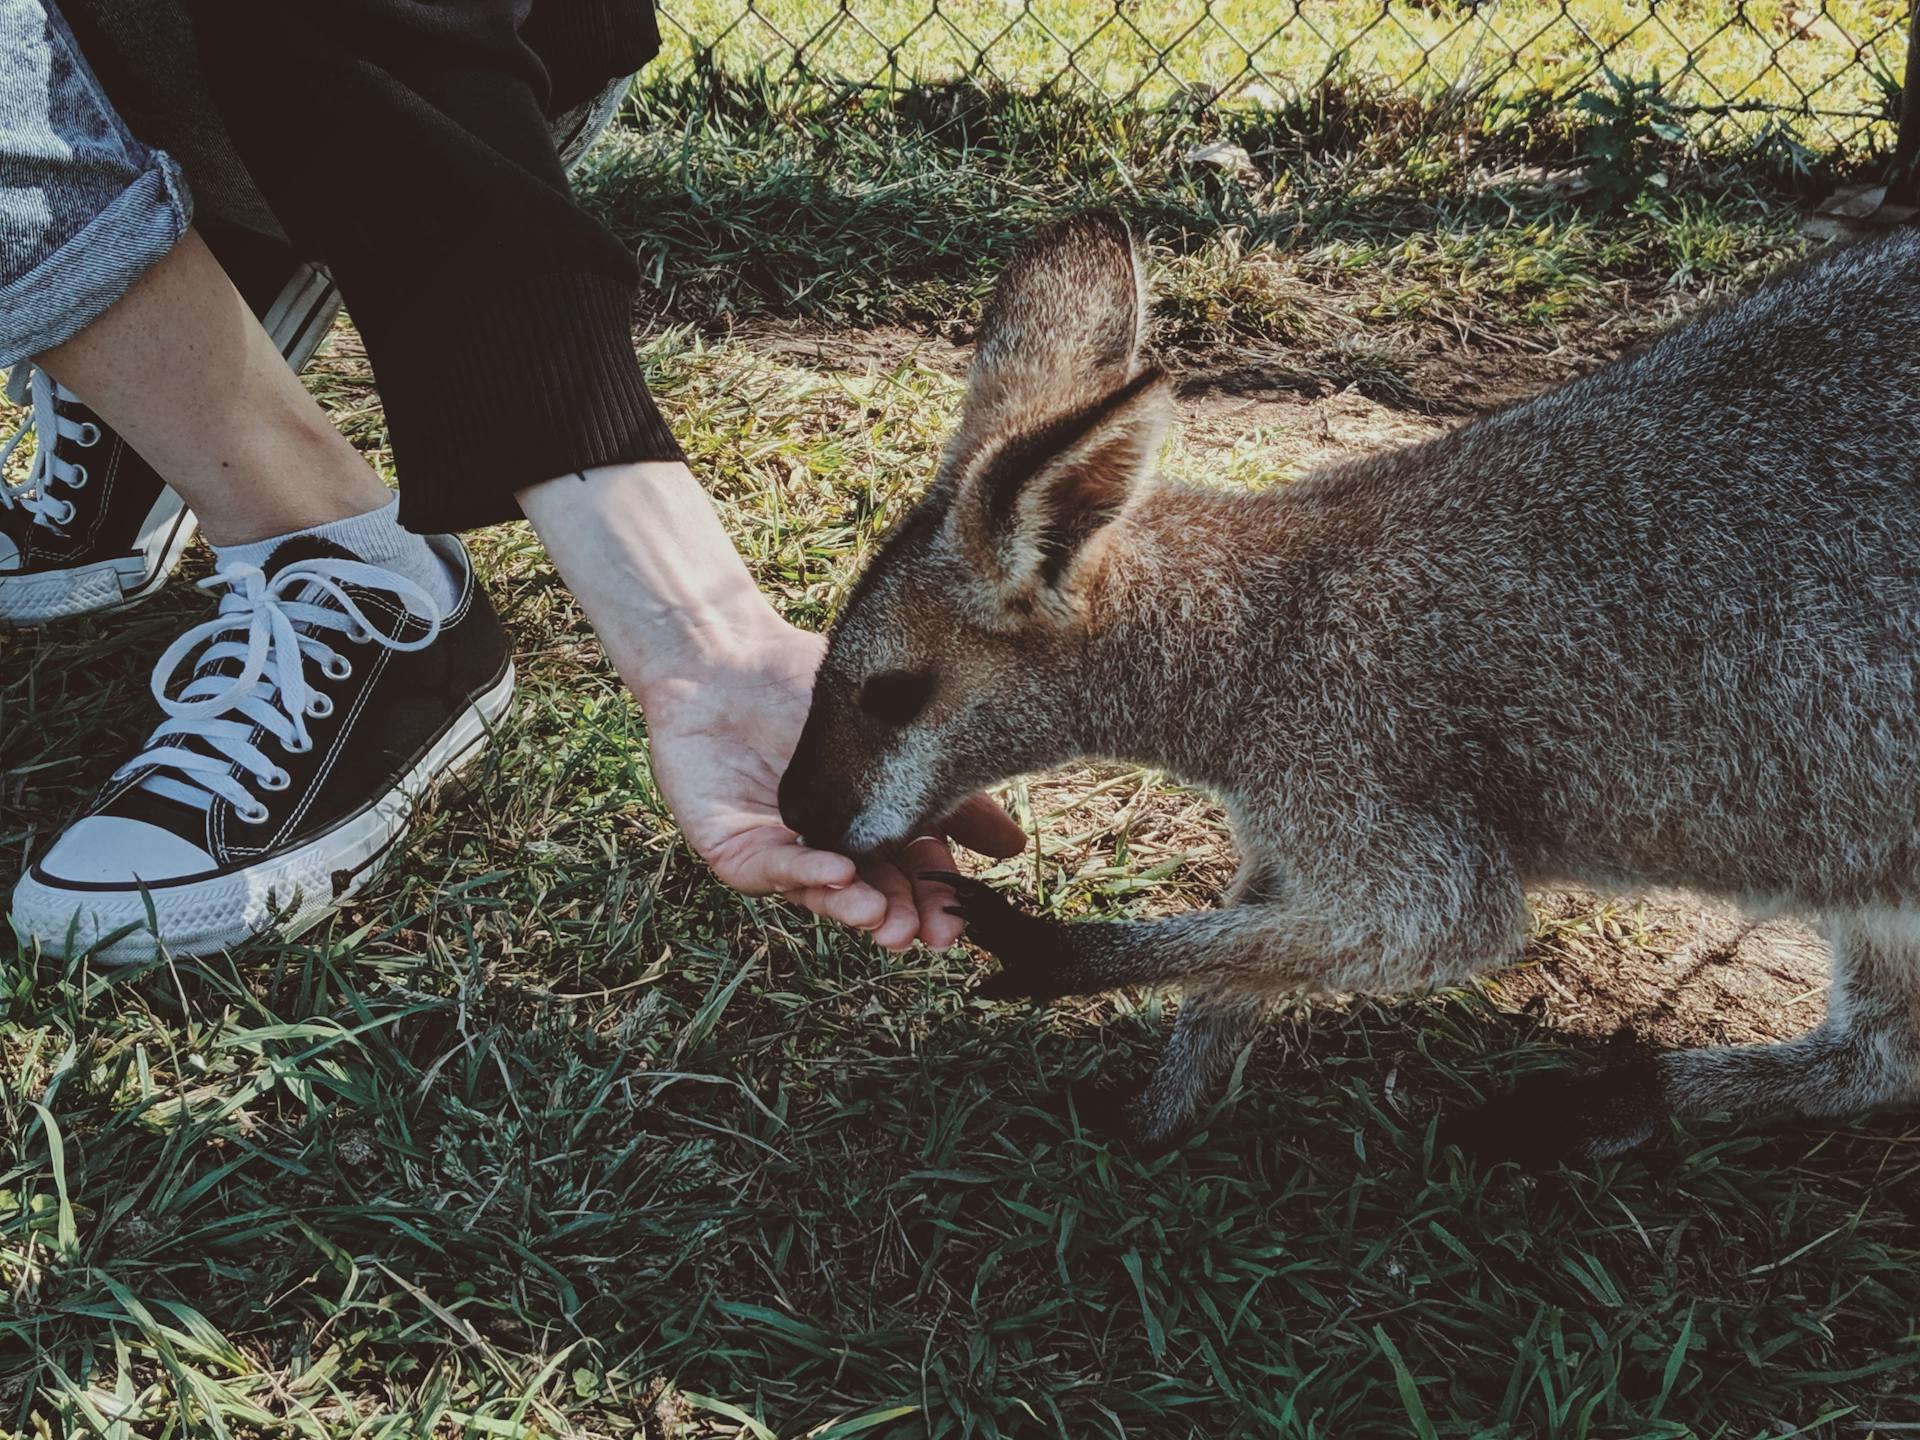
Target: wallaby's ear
1032, 509
1061, 423
1063, 329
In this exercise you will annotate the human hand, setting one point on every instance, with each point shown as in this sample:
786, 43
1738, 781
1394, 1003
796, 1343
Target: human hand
726, 683
720, 743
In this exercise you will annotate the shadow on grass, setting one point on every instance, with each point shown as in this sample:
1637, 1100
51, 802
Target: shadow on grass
1344, 214
864, 1192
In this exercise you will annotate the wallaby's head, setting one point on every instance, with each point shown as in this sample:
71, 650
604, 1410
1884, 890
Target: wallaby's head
957, 658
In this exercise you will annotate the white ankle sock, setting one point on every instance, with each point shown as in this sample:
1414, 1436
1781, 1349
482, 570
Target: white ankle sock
375, 537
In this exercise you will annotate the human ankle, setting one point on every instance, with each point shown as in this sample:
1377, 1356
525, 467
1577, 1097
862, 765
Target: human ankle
245, 517
374, 536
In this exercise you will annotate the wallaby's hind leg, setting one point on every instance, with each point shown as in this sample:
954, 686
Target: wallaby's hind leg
1865, 1053
1208, 1032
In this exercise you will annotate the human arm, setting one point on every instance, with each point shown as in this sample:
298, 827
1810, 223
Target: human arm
725, 684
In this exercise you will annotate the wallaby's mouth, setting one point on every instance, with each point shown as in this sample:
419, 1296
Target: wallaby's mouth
823, 816
865, 838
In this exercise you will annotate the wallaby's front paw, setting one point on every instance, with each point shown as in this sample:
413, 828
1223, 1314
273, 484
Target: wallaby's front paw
1034, 952
1552, 1117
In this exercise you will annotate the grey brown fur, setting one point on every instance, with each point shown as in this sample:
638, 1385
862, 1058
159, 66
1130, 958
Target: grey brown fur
1660, 626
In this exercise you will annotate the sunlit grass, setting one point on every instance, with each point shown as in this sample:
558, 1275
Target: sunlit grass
1824, 69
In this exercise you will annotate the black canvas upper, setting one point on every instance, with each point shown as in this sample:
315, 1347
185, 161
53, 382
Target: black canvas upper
385, 714
118, 493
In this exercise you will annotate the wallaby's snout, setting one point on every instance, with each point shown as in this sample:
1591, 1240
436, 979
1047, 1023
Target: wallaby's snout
814, 803
867, 773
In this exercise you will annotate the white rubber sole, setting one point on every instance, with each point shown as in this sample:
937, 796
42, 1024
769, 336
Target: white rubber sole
288, 892
301, 315
298, 320
39, 596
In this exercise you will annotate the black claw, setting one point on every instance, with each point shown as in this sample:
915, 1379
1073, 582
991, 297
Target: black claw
1112, 1114
1032, 950
997, 986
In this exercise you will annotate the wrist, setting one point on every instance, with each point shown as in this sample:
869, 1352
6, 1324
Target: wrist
643, 552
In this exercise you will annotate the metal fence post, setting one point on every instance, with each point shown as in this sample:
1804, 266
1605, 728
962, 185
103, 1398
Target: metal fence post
1904, 186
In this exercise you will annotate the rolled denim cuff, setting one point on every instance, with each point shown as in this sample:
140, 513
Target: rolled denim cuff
97, 264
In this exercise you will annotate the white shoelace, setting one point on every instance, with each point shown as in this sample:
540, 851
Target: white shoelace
26, 383
275, 627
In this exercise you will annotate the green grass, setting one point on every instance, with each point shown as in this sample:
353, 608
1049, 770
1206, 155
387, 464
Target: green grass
1349, 215
1824, 72
549, 1135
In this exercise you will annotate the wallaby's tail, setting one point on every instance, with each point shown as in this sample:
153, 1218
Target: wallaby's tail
1865, 1053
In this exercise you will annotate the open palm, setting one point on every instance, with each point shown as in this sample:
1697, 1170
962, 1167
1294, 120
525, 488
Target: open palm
719, 747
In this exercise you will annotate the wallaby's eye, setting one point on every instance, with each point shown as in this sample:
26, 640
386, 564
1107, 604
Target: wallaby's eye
895, 696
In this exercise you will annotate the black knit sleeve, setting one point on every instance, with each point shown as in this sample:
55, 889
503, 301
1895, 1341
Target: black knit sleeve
404, 144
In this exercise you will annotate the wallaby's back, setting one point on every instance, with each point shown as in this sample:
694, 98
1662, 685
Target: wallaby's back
1662, 624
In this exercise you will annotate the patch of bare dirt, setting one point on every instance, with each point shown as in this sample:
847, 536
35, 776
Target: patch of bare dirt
1303, 431
1228, 398
1671, 969
884, 348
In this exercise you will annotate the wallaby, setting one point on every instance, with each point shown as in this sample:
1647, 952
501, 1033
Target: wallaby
1660, 626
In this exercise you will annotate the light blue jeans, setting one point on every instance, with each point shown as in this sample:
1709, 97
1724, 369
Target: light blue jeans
85, 208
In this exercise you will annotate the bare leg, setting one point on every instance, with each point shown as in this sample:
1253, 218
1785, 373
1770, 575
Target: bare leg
180, 367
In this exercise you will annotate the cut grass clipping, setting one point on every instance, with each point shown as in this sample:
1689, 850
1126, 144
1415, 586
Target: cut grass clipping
550, 1135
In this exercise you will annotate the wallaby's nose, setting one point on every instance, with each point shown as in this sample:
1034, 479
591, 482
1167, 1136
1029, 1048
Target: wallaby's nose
817, 812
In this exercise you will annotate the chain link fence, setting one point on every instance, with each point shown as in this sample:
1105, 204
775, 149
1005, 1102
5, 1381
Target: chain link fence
1823, 76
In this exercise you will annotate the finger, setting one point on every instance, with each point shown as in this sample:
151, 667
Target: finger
939, 927
981, 824
780, 868
902, 923
860, 906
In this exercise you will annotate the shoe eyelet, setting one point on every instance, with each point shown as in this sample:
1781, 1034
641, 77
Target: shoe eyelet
78, 480
276, 780
256, 816
319, 707
299, 745
89, 434
339, 672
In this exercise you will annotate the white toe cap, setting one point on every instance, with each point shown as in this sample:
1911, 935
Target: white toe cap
108, 850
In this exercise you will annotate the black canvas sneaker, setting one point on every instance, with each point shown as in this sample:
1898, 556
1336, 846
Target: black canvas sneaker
322, 702
91, 526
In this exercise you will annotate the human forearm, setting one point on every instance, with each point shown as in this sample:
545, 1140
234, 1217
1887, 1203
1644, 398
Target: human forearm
644, 553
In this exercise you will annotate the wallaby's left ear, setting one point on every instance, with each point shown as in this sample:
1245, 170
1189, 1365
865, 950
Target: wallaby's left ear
1030, 510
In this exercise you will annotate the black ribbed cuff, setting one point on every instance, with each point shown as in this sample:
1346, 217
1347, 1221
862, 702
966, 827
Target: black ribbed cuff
586, 43
525, 383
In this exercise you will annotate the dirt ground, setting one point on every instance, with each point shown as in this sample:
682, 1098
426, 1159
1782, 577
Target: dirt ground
1665, 969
